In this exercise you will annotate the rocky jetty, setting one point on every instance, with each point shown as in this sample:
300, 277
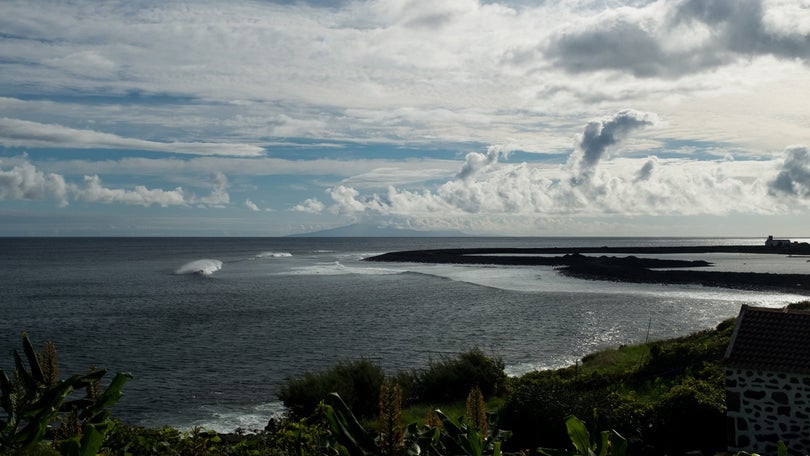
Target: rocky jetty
576, 262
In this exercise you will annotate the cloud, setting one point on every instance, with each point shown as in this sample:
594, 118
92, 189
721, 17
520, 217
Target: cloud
310, 206
251, 205
741, 27
219, 195
25, 182
22, 133
794, 176
383, 174
673, 39
476, 162
617, 186
400, 71
647, 169
241, 90
346, 202
92, 191
601, 134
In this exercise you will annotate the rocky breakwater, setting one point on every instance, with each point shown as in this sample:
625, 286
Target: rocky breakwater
574, 263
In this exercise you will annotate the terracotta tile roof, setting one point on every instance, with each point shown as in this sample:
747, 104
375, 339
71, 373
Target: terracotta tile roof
770, 339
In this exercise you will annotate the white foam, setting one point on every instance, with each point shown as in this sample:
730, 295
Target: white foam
202, 267
546, 279
338, 268
251, 420
520, 369
274, 255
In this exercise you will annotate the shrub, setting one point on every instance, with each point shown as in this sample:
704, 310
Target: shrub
450, 380
695, 408
536, 410
358, 383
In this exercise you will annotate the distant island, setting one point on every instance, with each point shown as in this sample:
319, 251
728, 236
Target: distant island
575, 262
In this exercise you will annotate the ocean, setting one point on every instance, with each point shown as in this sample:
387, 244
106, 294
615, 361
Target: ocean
211, 327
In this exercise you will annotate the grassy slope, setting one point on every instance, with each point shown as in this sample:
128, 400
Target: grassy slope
626, 368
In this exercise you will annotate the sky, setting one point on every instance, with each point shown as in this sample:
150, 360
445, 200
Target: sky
510, 118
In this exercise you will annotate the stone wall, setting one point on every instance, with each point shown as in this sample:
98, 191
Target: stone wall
766, 407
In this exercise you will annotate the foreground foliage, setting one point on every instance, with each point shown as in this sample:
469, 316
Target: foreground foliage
610, 443
358, 383
36, 401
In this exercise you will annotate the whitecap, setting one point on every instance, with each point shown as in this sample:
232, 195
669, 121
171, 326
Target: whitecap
227, 419
555, 362
201, 267
274, 255
338, 268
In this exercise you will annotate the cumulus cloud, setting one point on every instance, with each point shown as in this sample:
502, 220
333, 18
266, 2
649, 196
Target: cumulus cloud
475, 162
647, 169
601, 134
23, 133
310, 206
346, 201
626, 186
24, 181
794, 175
93, 191
251, 205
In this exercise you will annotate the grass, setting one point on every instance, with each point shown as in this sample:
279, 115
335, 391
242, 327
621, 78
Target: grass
615, 361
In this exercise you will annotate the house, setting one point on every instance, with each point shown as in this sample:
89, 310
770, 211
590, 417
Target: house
771, 242
768, 381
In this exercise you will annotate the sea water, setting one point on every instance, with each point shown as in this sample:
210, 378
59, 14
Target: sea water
210, 328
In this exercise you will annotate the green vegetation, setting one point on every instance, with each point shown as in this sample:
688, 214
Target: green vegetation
40, 407
610, 443
446, 381
653, 394
663, 397
358, 383
450, 379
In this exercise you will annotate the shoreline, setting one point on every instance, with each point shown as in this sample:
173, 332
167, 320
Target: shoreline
571, 262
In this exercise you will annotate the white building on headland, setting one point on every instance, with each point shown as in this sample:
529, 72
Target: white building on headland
771, 242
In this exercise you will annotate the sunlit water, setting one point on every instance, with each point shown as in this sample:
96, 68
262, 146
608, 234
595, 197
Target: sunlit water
211, 327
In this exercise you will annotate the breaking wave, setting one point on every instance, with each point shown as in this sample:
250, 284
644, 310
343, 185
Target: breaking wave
226, 419
274, 255
201, 267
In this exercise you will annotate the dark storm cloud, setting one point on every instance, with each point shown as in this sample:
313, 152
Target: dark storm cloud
630, 44
794, 177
